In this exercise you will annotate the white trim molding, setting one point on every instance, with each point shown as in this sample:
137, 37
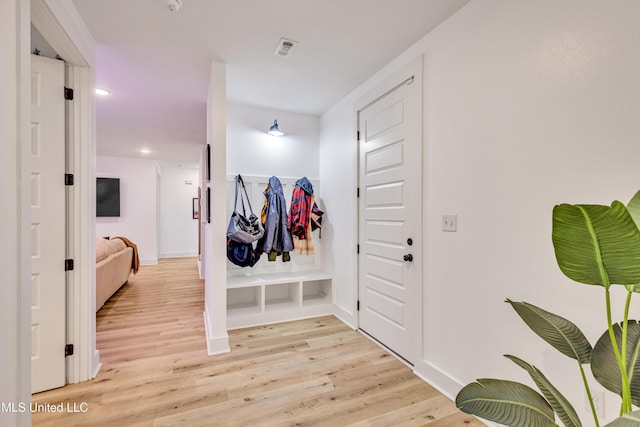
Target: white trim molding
214, 254
349, 319
178, 255
215, 345
96, 363
15, 258
438, 379
81, 327
63, 28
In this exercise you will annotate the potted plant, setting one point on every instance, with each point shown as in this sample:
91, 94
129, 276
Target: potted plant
594, 245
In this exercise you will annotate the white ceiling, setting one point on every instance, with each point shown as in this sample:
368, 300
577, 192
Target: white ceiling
157, 63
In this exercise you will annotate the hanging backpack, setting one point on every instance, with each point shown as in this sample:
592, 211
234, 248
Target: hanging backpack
241, 254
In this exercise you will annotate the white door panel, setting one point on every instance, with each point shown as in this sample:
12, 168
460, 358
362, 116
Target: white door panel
382, 117
389, 309
392, 290
389, 232
386, 157
390, 176
388, 194
48, 224
385, 268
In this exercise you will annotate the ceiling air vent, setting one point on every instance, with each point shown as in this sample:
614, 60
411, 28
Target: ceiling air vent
285, 47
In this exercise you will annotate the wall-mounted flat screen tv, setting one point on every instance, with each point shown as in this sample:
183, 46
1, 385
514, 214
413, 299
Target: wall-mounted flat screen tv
108, 197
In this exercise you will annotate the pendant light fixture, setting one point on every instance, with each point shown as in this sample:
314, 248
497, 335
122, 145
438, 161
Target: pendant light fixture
275, 130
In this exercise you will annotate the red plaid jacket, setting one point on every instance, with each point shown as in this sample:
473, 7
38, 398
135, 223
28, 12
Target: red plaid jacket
299, 213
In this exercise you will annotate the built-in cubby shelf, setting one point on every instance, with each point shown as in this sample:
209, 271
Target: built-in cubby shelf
278, 297
244, 300
316, 292
272, 292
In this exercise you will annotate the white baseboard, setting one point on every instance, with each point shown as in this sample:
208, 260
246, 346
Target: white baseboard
96, 363
178, 255
438, 379
149, 261
215, 345
442, 382
347, 318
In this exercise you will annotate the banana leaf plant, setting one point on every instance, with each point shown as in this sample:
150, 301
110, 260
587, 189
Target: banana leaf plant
594, 245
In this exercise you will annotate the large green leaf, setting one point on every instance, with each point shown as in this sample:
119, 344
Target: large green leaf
634, 208
558, 402
557, 331
630, 419
505, 402
597, 245
605, 366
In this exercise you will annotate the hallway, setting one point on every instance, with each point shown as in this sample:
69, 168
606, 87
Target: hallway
156, 372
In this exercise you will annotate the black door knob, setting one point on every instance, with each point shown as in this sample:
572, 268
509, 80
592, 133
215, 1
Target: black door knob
409, 241
408, 257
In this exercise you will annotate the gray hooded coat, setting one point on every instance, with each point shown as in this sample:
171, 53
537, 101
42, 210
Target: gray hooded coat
277, 237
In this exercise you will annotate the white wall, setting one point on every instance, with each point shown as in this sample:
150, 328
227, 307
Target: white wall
214, 233
257, 156
15, 293
525, 106
178, 229
338, 153
251, 151
138, 204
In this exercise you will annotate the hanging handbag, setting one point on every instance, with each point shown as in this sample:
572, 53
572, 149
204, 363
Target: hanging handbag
241, 228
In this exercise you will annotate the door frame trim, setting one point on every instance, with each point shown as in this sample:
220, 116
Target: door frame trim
63, 28
409, 74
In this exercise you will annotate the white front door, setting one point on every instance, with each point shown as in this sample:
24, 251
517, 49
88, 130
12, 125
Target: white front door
390, 181
48, 237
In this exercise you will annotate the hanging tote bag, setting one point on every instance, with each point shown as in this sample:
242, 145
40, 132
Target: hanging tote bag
241, 228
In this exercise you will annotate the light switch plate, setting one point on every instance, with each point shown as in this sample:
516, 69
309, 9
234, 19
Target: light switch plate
449, 222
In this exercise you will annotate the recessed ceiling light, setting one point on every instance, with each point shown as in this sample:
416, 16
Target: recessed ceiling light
145, 151
102, 92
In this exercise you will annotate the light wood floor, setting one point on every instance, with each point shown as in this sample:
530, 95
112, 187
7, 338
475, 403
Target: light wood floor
156, 372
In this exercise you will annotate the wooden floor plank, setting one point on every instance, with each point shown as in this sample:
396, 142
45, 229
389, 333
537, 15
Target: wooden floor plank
314, 372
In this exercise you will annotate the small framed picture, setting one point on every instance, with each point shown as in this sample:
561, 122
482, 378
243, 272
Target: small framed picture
208, 162
208, 204
195, 209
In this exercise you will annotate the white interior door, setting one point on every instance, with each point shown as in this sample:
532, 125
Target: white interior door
48, 224
390, 176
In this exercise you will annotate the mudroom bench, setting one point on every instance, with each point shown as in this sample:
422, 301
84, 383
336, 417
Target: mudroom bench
277, 297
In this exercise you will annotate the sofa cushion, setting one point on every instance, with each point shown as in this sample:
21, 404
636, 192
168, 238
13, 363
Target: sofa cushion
105, 247
101, 249
116, 245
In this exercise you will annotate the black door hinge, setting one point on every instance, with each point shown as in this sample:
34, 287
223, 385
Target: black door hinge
358, 192
358, 135
358, 248
68, 265
68, 350
68, 179
358, 306
68, 94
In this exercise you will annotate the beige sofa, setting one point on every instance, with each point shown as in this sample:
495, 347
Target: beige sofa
113, 267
